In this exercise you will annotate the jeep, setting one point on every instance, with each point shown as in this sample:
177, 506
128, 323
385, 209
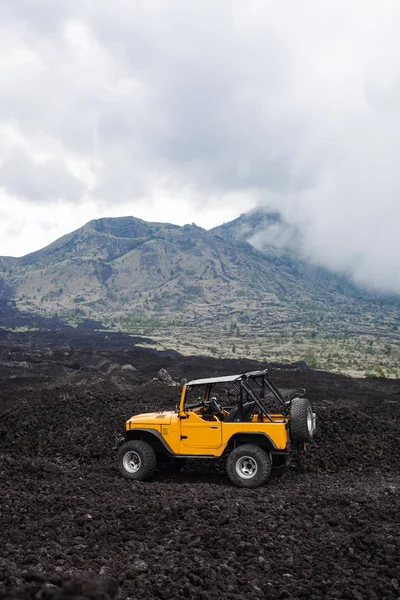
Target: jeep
243, 418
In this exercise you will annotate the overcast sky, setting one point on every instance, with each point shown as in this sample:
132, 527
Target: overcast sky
196, 111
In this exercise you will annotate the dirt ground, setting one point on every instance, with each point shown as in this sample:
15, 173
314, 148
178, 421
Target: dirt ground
73, 528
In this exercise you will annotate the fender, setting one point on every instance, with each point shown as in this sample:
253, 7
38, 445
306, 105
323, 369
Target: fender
248, 436
143, 433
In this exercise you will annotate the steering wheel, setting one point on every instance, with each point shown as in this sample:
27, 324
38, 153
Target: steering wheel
215, 406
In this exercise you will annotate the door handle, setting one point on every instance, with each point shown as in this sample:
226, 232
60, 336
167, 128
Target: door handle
213, 426
183, 437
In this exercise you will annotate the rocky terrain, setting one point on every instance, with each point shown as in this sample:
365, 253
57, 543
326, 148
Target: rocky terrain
72, 528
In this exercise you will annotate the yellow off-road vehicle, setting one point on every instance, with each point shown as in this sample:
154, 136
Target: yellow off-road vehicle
234, 417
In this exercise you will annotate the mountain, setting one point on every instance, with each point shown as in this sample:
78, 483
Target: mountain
126, 269
247, 225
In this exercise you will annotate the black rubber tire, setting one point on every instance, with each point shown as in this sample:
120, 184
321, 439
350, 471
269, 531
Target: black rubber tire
258, 457
147, 460
301, 421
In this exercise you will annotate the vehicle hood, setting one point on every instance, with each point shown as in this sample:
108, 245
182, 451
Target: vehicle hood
160, 418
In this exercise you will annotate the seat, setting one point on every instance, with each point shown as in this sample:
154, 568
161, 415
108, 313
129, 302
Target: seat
233, 414
248, 410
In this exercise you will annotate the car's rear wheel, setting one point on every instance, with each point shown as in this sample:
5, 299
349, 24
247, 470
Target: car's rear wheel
137, 460
248, 466
301, 421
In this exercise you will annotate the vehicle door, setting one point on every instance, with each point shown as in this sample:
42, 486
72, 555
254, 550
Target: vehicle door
199, 436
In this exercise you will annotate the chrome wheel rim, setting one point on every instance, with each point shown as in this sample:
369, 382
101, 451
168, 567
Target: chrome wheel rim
132, 462
246, 467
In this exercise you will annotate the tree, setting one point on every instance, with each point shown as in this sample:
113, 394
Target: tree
311, 359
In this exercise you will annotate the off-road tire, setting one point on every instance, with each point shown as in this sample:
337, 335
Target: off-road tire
136, 460
301, 421
242, 460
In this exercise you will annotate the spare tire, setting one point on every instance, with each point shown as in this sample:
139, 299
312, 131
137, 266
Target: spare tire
301, 421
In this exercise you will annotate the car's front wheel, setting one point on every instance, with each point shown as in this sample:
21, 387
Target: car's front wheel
136, 460
248, 466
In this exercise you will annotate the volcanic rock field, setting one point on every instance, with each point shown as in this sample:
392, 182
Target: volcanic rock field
72, 528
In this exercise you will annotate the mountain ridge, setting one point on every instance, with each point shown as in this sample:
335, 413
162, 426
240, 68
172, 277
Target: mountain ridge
114, 267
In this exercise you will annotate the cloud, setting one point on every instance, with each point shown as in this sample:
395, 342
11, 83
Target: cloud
197, 111
36, 182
